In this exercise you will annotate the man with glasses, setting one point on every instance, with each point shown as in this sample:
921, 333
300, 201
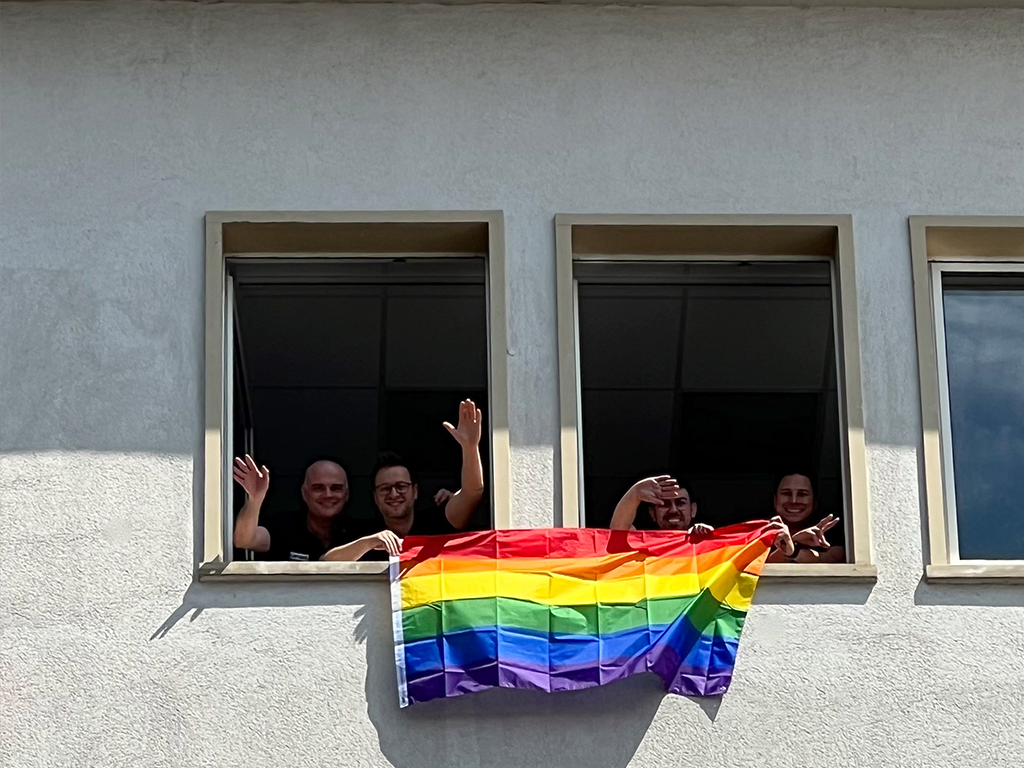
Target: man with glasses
395, 493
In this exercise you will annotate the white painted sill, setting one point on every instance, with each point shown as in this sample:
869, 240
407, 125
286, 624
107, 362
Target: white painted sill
818, 572
976, 573
248, 570
291, 571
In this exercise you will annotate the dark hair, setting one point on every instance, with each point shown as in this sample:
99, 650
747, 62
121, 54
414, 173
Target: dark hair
387, 459
646, 509
779, 477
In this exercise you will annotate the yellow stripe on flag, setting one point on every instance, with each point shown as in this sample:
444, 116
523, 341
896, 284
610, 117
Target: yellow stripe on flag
725, 583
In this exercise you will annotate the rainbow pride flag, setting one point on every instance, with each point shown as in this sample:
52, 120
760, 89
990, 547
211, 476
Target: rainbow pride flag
561, 609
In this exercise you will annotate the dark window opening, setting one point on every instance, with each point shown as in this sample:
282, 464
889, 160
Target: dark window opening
345, 358
720, 373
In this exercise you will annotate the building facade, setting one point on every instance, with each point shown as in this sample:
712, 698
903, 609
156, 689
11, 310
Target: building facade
122, 125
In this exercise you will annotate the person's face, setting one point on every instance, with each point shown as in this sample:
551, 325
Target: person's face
325, 489
794, 499
674, 514
394, 492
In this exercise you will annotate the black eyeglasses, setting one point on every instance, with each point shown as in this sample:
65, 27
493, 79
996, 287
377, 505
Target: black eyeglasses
386, 488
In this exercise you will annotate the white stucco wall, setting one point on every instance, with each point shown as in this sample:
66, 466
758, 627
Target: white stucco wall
121, 124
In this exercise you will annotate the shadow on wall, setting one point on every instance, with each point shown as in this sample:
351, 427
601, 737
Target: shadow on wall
595, 728
991, 595
199, 597
818, 593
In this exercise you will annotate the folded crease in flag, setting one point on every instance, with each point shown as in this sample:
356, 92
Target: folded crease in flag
561, 609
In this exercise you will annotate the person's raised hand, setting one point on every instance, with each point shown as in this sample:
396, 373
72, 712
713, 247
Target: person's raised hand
815, 535
783, 539
701, 529
442, 497
387, 541
470, 425
655, 490
255, 480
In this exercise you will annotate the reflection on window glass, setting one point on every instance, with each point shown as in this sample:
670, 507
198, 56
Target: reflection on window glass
721, 374
985, 361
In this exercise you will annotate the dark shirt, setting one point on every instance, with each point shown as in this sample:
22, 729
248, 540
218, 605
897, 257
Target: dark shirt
429, 521
291, 539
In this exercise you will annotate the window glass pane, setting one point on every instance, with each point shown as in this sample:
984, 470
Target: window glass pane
784, 334
295, 336
720, 373
615, 318
984, 330
426, 326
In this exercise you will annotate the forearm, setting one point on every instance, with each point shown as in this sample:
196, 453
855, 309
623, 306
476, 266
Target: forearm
247, 523
472, 471
352, 551
625, 512
463, 504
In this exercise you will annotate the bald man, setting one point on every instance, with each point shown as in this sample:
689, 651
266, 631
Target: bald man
293, 537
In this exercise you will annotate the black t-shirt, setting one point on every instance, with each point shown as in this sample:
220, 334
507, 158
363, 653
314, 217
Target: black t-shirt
291, 539
429, 521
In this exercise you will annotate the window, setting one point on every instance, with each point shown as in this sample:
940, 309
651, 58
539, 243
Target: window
969, 296
317, 346
722, 350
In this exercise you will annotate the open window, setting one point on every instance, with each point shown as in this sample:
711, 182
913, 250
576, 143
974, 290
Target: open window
721, 350
343, 338
969, 296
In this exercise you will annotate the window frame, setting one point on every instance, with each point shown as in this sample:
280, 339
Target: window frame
338, 235
938, 245
721, 237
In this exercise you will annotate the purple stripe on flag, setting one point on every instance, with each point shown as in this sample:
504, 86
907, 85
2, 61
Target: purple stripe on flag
703, 678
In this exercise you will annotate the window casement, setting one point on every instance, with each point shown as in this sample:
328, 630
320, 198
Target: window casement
316, 346
716, 347
969, 307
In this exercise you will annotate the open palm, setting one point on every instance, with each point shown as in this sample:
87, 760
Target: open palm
655, 490
470, 424
255, 480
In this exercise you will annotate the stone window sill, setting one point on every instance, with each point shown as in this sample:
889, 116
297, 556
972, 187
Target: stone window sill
824, 572
296, 571
247, 570
976, 573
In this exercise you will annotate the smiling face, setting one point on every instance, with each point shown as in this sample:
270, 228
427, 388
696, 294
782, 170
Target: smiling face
794, 499
325, 489
674, 514
395, 493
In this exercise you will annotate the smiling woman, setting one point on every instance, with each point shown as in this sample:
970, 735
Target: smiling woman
796, 504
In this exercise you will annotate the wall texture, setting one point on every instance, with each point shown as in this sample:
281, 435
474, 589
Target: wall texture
121, 124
